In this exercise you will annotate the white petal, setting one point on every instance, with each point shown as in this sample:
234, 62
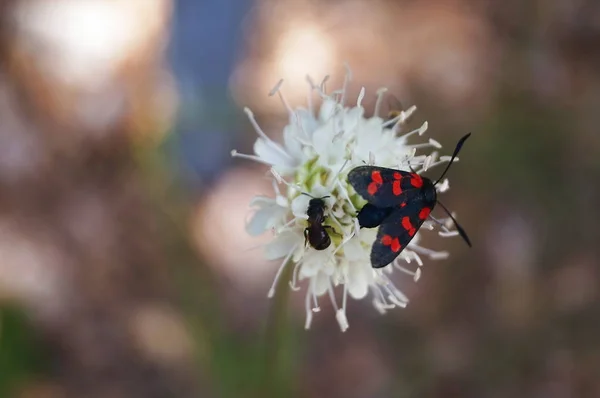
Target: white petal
282, 245
355, 251
320, 284
271, 155
360, 276
310, 265
367, 236
308, 270
261, 201
268, 215
307, 120
323, 138
315, 261
281, 201
259, 221
352, 118
291, 133
300, 206
327, 109
320, 191
330, 149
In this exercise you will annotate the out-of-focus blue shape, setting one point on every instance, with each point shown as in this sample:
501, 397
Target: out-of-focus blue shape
206, 39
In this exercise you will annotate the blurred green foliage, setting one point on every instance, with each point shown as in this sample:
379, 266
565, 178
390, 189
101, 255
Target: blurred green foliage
21, 353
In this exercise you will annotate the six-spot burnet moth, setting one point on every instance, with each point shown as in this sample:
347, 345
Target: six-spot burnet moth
398, 202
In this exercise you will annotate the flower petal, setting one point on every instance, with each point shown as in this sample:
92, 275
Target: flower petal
360, 276
273, 155
258, 223
308, 122
320, 283
282, 245
291, 133
355, 251
327, 109
300, 206
261, 201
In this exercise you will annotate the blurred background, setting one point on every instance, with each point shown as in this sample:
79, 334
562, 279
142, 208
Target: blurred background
125, 270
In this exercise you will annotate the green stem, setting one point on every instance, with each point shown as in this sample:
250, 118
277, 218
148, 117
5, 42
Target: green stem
275, 333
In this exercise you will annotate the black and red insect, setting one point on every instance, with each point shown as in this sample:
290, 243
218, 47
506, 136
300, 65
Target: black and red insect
316, 233
398, 202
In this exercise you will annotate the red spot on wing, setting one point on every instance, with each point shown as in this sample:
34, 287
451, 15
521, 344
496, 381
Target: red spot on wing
402, 204
416, 180
377, 181
372, 188
386, 240
376, 177
396, 245
407, 225
424, 213
393, 243
396, 188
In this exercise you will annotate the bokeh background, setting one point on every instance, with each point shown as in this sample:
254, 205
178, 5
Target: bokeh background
125, 270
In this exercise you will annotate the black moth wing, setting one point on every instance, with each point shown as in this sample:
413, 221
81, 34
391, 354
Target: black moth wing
383, 187
396, 232
371, 216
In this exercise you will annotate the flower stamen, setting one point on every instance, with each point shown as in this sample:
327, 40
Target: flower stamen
431, 143
332, 295
347, 79
401, 118
286, 226
253, 158
380, 92
279, 271
277, 90
443, 159
294, 281
432, 254
417, 258
316, 307
415, 274
307, 308
448, 234
361, 95
262, 134
282, 180
421, 130
309, 99
322, 86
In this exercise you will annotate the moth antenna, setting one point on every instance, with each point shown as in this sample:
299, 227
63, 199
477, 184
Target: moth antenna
456, 150
460, 229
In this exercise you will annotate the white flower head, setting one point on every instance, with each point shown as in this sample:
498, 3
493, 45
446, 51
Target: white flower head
319, 148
